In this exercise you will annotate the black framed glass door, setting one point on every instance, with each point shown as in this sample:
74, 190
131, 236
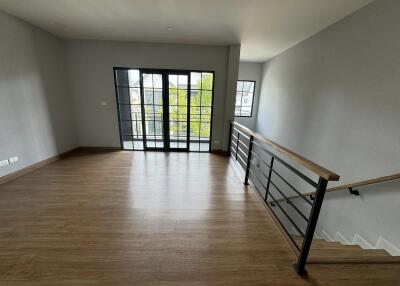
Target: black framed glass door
153, 110
164, 110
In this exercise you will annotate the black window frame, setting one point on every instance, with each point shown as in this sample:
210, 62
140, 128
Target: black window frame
252, 98
166, 147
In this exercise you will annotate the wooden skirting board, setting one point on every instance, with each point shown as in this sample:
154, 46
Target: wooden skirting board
52, 159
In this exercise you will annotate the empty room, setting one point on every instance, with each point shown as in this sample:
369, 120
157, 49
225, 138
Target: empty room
199, 142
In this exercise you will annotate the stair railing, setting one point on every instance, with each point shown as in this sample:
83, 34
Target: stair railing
251, 150
350, 187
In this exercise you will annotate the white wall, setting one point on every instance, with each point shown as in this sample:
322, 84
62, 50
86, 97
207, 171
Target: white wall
251, 71
36, 120
90, 67
334, 98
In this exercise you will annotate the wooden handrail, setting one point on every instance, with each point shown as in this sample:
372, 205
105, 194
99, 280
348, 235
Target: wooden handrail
314, 167
353, 185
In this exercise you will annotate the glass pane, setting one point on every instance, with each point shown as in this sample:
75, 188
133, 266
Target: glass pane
207, 81
133, 76
194, 147
195, 97
134, 95
157, 80
173, 129
149, 129
239, 86
172, 81
158, 97
125, 112
182, 97
182, 81
126, 127
138, 145
173, 98
159, 128
123, 95
148, 80
246, 111
148, 96
158, 113
206, 98
204, 146
238, 99
237, 111
195, 80
204, 130
247, 100
127, 143
122, 77
248, 86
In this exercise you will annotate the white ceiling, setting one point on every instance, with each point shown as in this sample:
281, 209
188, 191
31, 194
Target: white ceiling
263, 27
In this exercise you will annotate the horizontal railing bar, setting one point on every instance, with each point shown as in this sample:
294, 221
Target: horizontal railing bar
288, 217
241, 132
291, 168
282, 194
241, 159
279, 221
276, 217
289, 202
280, 207
244, 153
317, 169
233, 135
283, 179
260, 159
355, 185
293, 188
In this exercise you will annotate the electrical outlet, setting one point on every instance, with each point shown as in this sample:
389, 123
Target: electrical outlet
13, 159
4, 163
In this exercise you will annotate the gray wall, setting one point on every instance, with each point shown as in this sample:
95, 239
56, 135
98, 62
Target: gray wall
36, 120
90, 67
334, 98
251, 71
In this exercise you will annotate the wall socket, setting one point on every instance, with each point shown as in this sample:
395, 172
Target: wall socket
4, 163
13, 160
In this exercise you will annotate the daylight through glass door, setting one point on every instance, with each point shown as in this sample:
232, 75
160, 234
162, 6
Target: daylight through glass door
164, 110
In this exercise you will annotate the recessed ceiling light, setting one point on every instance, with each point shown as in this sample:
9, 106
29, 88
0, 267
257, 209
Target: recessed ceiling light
169, 28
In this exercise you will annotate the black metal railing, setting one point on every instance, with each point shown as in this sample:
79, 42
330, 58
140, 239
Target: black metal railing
270, 169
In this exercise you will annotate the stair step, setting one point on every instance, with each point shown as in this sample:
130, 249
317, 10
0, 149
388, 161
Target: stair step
348, 252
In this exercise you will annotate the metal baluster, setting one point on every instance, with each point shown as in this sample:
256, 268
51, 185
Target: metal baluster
316, 208
246, 178
230, 138
271, 165
237, 145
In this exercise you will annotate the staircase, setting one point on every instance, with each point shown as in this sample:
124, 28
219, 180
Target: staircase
324, 251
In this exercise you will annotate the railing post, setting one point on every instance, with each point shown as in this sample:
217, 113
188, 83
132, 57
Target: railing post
230, 138
316, 208
271, 165
246, 178
237, 146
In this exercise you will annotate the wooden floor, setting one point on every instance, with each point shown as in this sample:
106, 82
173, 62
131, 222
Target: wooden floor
134, 218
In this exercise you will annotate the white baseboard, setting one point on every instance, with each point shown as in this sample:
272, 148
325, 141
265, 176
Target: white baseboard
340, 238
362, 242
388, 246
324, 235
382, 242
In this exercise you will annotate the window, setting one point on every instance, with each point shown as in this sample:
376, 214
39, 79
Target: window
244, 98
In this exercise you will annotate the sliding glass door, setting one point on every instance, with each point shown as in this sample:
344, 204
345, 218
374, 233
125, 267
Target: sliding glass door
164, 110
